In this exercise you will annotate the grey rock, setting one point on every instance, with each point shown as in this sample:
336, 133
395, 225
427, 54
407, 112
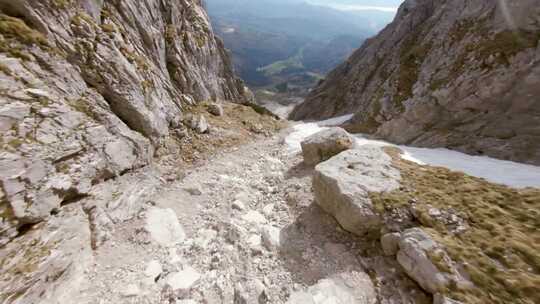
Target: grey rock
215, 109
198, 123
131, 290
325, 144
390, 243
183, 280
271, 237
421, 258
419, 82
342, 185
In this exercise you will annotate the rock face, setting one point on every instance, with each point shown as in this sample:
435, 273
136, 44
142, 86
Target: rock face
342, 185
88, 89
55, 253
458, 74
325, 144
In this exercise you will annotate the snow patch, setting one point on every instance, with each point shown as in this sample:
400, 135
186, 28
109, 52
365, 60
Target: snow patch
494, 170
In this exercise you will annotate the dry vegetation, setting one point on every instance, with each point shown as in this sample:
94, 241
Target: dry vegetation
501, 249
16, 36
239, 124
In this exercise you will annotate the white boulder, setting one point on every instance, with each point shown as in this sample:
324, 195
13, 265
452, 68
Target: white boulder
271, 237
342, 187
163, 227
183, 280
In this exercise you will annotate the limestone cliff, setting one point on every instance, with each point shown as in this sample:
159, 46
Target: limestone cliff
458, 74
89, 89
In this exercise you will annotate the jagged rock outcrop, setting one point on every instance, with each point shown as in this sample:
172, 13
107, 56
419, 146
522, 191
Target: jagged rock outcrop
89, 89
458, 74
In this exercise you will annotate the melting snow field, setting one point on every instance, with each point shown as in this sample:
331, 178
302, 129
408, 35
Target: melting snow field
494, 170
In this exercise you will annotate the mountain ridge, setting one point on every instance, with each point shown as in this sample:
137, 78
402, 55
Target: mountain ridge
444, 74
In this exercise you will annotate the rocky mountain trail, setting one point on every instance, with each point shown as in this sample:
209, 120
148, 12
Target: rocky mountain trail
240, 227
251, 235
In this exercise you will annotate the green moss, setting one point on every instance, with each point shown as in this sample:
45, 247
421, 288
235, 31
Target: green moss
507, 44
201, 40
82, 106
15, 143
108, 27
411, 58
437, 83
15, 28
140, 61
501, 247
170, 33
147, 85
81, 18
5, 69
61, 4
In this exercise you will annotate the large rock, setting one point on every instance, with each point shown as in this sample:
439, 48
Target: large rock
342, 186
344, 288
325, 144
460, 74
425, 261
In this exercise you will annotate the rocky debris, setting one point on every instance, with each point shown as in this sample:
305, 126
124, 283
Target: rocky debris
238, 205
215, 109
427, 262
443, 75
193, 190
325, 144
254, 217
164, 227
183, 280
271, 237
342, 186
132, 290
153, 270
198, 123
344, 288
448, 217
276, 250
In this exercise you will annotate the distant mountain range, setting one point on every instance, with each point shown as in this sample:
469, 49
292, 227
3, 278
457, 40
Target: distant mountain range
292, 44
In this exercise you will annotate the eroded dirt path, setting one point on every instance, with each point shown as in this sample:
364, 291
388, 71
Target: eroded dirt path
252, 235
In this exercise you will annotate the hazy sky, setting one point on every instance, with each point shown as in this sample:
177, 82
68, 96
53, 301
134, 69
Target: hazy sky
382, 5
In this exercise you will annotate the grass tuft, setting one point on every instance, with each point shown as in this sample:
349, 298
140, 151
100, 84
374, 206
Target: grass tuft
500, 250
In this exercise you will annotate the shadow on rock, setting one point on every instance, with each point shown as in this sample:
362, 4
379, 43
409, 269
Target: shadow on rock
313, 247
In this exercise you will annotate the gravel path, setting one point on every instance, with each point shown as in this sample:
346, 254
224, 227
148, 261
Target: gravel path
252, 235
